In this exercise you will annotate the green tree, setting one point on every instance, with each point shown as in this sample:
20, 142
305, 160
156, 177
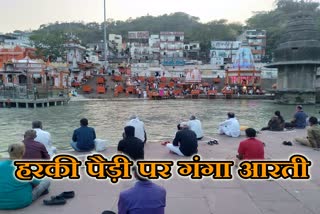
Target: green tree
49, 44
275, 21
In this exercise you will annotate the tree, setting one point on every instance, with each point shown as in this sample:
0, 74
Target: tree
274, 22
49, 45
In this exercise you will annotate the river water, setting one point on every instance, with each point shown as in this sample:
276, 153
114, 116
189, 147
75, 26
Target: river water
160, 117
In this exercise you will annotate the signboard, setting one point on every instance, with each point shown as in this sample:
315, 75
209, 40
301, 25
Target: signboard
222, 53
225, 45
172, 62
217, 61
138, 34
172, 33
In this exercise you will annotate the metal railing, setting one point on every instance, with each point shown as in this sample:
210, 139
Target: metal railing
22, 92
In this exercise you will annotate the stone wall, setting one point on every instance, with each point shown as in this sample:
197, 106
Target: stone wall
298, 77
295, 97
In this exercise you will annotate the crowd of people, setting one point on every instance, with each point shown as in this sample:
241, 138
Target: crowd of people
145, 196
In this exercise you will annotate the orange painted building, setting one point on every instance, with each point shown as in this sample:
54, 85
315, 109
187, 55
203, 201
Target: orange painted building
16, 53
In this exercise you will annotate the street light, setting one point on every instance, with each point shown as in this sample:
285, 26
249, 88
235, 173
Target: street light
67, 83
105, 35
46, 72
27, 88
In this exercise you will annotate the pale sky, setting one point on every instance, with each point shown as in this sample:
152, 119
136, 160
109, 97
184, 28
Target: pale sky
30, 14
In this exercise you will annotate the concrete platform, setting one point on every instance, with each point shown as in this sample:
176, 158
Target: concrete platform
207, 196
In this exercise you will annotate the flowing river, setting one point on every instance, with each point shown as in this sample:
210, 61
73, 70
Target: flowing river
160, 117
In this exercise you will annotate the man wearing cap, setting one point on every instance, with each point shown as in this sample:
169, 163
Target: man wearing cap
139, 128
299, 119
185, 142
195, 125
230, 127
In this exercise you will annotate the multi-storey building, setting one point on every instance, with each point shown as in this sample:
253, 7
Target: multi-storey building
116, 40
256, 40
192, 50
171, 48
139, 45
154, 44
21, 39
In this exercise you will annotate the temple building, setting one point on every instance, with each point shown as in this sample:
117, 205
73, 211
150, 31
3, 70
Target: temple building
243, 71
297, 59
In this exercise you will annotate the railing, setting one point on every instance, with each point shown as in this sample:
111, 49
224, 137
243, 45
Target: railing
22, 92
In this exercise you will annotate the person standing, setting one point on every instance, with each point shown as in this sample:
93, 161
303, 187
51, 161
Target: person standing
230, 127
83, 137
195, 125
185, 142
313, 134
43, 137
34, 149
138, 127
131, 145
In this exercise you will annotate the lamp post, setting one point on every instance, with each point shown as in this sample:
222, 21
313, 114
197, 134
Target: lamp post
105, 35
47, 86
67, 83
27, 88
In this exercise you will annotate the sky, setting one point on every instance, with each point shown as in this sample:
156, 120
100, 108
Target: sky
30, 14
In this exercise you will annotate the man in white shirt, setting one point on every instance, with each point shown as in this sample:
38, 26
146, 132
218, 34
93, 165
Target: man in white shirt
195, 125
43, 137
139, 128
230, 127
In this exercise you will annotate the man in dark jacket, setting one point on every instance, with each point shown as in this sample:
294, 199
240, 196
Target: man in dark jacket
83, 137
185, 142
131, 145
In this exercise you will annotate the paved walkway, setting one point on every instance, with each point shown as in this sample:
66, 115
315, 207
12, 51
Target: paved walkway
185, 196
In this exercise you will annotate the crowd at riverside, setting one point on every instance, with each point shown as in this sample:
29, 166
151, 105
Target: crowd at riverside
161, 86
145, 196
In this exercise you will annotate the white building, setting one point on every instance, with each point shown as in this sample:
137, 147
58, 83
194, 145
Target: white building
192, 50
171, 48
19, 39
154, 44
116, 40
139, 45
75, 54
139, 51
257, 40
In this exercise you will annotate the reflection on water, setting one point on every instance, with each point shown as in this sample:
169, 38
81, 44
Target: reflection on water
160, 117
